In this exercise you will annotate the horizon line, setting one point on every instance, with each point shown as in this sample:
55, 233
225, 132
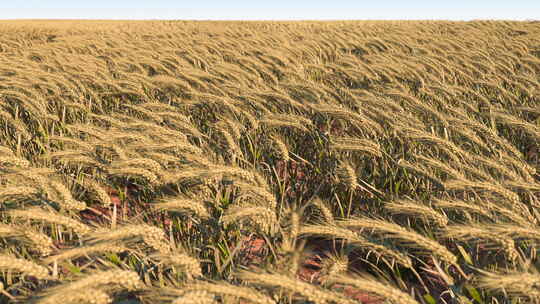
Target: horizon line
255, 20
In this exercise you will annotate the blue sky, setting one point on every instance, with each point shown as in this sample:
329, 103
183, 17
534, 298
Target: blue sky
270, 10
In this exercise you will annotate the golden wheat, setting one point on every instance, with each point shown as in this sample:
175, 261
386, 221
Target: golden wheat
188, 119
390, 293
24, 266
40, 214
310, 292
401, 233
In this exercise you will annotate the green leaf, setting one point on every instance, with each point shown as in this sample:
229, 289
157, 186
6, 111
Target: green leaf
397, 186
474, 293
74, 269
429, 299
114, 258
465, 255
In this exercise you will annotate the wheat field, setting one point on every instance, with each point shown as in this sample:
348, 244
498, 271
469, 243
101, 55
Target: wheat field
269, 162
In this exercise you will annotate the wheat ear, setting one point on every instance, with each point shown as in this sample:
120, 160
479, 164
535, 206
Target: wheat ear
24, 266
88, 295
37, 213
195, 297
231, 290
402, 233
391, 293
309, 291
177, 204
86, 250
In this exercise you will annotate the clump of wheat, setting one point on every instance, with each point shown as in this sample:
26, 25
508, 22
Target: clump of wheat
338, 232
333, 266
284, 120
280, 147
464, 206
417, 209
77, 143
308, 291
85, 250
24, 266
422, 170
446, 168
225, 289
347, 174
145, 163
401, 233
38, 176
66, 199
163, 158
177, 204
88, 295
291, 235
101, 193
18, 191
325, 210
262, 216
356, 144
88, 129
134, 171
13, 160
151, 235
234, 149
471, 231
101, 281
262, 192
190, 265
382, 289
195, 297
38, 241
520, 283
36, 213
6, 151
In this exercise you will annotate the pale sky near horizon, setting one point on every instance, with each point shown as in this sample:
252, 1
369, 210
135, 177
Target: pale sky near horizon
271, 10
